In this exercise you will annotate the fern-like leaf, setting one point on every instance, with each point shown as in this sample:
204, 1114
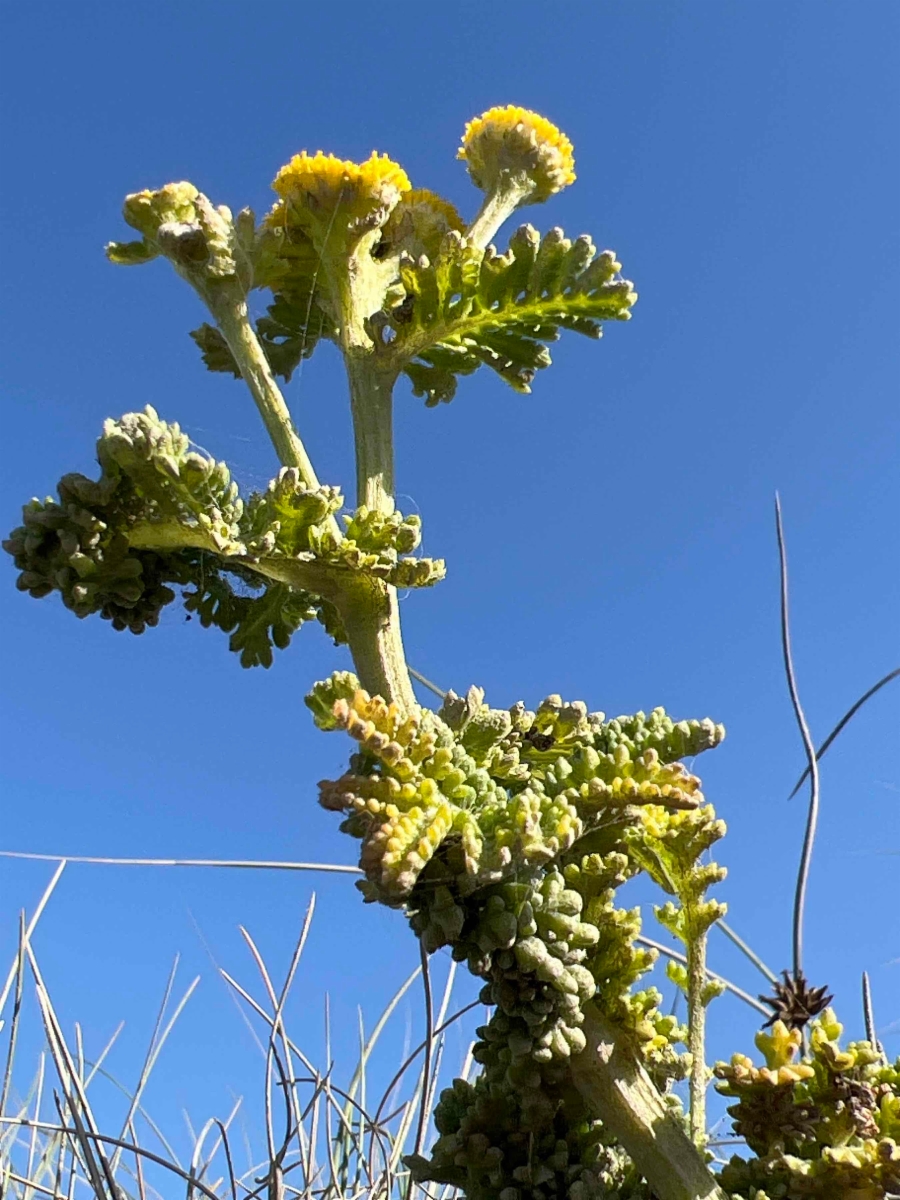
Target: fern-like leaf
258, 624
471, 307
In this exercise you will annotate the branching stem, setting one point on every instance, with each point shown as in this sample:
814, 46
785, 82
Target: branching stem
234, 323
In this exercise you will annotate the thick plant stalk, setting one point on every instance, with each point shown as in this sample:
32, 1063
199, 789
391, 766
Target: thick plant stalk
371, 404
376, 643
370, 615
696, 958
618, 1089
373, 625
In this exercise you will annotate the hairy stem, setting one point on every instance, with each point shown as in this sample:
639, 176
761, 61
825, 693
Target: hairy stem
498, 206
376, 643
696, 966
615, 1084
373, 628
372, 406
369, 614
234, 323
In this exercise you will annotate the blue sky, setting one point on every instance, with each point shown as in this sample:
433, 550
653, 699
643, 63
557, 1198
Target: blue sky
609, 537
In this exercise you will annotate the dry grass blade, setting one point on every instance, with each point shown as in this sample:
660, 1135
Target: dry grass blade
222, 1139
726, 983
278, 1015
140, 1111
38, 1099
17, 1011
408, 1062
261, 1012
229, 864
223, 1134
139, 1168
843, 722
69, 1157
429, 1048
432, 687
131, 1147
379, 1029
32, 925
79, 1139
746, 950
97, 1066
70, 1081
157, 1041
30, 1185
812, 762
869, 1014
275, 1024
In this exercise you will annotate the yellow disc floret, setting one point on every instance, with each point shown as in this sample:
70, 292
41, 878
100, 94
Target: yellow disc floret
329, 196
419, 223
515, 142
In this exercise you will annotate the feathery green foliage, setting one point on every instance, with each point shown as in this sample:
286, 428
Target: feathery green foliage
504, 835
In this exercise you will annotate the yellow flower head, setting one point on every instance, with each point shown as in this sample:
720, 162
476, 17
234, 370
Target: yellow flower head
420, 221
514, 141
328, 196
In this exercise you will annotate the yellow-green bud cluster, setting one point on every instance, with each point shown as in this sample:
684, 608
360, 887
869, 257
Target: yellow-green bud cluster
205, 244
824, 1126
289, 520
161, 513
500, 793
82, 544
504, 835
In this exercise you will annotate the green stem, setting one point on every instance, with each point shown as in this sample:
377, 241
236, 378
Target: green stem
696, 969
612, 1080
376, 643
372, 407
498, 206
373, 626
233, 321
370, 616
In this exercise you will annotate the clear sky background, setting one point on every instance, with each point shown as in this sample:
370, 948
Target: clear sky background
609, 537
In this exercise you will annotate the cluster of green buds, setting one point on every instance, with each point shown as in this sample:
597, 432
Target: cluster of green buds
821, 1126
504, 834
352, 253
163, 514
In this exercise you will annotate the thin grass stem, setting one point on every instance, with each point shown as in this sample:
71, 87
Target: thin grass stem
432, 687
845, 719
812, 762
429, 1047
132, 1147
32, 925
726, 983
230, 864
746, 950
